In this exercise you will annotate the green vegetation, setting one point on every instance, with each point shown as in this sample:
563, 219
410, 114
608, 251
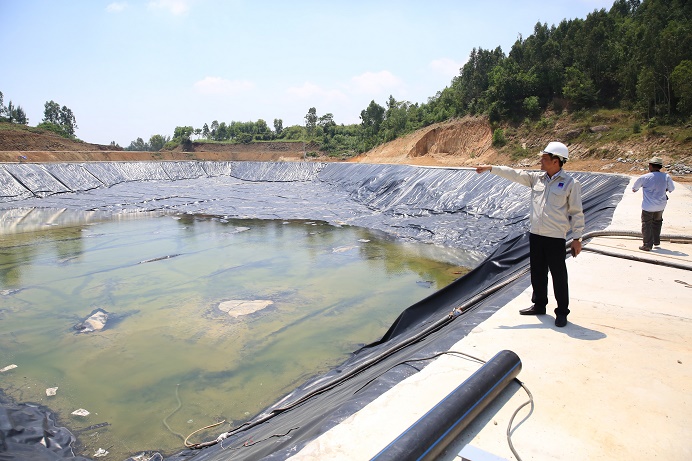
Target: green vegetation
631, 62
499, 137
12, 114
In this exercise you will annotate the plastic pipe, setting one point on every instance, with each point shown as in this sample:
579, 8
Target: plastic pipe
428, 437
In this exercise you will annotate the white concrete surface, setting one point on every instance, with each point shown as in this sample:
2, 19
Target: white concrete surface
614, 384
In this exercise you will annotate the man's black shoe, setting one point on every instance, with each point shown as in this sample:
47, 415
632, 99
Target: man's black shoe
560, 321
533, 310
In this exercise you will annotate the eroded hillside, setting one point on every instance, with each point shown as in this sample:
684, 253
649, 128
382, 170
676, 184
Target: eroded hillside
603, 142
603, 147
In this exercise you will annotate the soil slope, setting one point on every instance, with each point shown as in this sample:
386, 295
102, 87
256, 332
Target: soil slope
30, 146
464, 142
467, 142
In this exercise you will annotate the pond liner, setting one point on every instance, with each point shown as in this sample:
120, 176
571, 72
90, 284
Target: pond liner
327, 400
30, 433
446, 206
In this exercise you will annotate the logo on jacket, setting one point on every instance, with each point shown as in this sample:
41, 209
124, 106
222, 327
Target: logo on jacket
561, 185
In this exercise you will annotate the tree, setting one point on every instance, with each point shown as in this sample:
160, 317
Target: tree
646, 91
138, 145
371, 118
62, 118
3, 109
68, 121
157, 141
473, 80
261, 126
509, 87
182, 134
221, 132
19, 116
311, 121
16, 114
278, 126
579, 88
51, 112
293, 133
681, 79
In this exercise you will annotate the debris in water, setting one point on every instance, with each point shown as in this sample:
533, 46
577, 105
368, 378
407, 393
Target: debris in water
51, 391
344, 249
100, 453
95, 322
158, 259
237, 307
8, 368
81, 412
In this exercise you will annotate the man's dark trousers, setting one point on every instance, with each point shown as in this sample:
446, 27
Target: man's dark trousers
652, 221
548, 253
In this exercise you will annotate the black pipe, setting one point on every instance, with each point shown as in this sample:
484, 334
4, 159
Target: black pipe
428, 437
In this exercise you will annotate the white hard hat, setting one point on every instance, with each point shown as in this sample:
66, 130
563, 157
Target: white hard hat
557, 148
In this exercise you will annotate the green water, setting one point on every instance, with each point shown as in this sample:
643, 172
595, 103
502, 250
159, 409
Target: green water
168, 356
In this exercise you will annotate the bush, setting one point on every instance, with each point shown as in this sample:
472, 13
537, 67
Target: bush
55, 128
244, 138
636, 127
499, 139
170, 145
531, 106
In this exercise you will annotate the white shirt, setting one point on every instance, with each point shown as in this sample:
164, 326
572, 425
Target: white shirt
555, 202
655, 185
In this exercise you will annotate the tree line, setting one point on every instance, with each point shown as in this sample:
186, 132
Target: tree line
57, 119
636, 56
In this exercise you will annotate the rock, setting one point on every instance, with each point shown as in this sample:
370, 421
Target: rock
51, 391
571, 134
95, 322
8, 368
344, 249
237, 307
599, 128
81, 412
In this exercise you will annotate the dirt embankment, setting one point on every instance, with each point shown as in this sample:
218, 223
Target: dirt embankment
464, 142
28, 146
468, 142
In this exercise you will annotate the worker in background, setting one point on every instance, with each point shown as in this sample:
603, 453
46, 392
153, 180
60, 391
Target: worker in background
655, 184
556, 208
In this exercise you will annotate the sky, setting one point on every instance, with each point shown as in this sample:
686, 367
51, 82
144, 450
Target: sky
131, 69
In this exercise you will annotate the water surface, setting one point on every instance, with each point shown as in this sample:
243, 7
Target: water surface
169, 360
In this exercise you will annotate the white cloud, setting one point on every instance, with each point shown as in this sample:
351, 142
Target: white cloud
116, 7
176, 7
446, 67
311, 91
221, 86
374, 83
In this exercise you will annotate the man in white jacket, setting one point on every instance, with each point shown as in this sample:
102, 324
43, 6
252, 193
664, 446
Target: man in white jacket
556, 208
655, 185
